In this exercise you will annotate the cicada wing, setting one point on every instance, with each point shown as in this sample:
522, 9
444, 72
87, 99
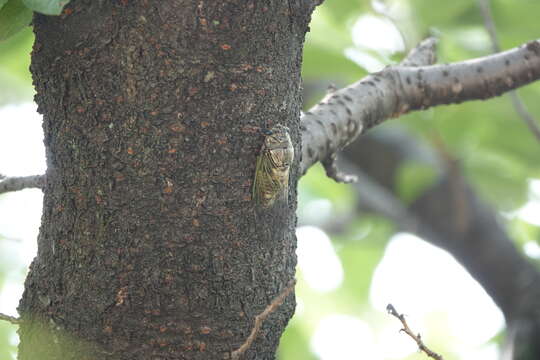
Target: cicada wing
266, 185
257, 181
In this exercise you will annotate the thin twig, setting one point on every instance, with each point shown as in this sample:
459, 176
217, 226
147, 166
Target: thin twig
392, 311
259, 319
16, 183
517, 103
9, 319
485, 9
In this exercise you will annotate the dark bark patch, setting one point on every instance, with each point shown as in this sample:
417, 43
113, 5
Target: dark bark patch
334, 128
534, 46
348, 98
195, 166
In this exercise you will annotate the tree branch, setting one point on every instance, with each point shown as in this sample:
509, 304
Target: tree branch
407, 330
16, 183
346, 113
9, 319
517, 103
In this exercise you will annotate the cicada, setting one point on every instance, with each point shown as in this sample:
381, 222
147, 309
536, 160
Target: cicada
273, 163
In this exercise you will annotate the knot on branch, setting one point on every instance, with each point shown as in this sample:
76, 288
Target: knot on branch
332, 171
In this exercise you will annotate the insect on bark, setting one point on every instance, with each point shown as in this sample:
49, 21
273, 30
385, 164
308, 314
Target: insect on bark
273, 163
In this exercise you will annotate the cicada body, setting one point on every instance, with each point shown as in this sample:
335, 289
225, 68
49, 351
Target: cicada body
273, 163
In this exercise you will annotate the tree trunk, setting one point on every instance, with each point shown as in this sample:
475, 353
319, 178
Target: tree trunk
150, 246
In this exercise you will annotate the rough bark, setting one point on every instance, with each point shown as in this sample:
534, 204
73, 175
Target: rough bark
150, 246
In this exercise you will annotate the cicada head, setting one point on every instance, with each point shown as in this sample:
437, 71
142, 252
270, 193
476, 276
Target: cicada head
278, 136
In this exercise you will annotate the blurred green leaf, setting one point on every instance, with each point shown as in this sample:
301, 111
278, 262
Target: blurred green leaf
14, 16
294, 343
343, 12
47, 7
445, 14
325, 63
2, 3
510, 21
325, 47
7, 335
498, 178
524, 232
413, 179
361, 248
14, 68
315, 184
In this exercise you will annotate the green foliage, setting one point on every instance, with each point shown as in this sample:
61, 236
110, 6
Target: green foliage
14, 16
17, 14
524, 232
413, 179
14, 68
294, 342
495, 149
316, 185
445, 14
361, 248
329, 35
47, 7
7, 337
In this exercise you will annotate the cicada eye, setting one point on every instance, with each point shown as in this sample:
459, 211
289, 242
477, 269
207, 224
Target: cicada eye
267, 132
